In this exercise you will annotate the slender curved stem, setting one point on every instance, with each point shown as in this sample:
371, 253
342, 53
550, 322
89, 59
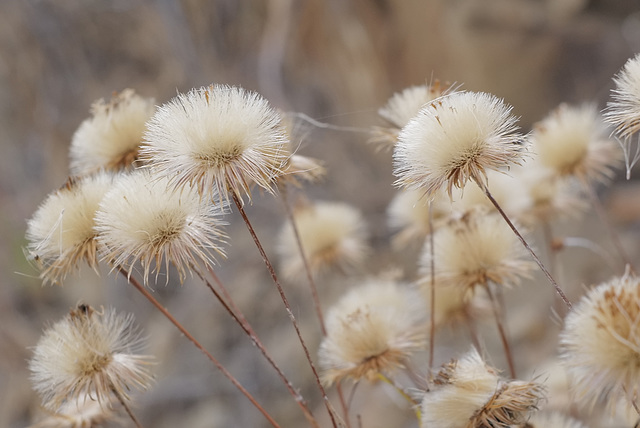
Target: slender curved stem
503, 334
343, 405
402, 392
126, 407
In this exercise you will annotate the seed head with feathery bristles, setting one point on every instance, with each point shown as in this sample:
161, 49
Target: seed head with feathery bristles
142, 219
89, 354
111, 137
84, 412
218, 139
61, 232
456, 138
623, 111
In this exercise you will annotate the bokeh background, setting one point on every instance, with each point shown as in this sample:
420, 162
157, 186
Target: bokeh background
337, 61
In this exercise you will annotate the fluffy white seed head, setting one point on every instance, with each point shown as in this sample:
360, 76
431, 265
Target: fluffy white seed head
552, 420
573, 141
456, 138
89, 354
217, 138
623, 111
332, 234
61, 232
453, 308
143, 219
600, 342
372, 329
111, 137
84, 412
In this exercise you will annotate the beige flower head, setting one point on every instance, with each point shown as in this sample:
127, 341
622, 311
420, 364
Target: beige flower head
623, 111
474, 250
574, 141
372, 329
111, 137
332, 234
601, 342
143, 219
217, 139
84, 412
89, 354
61, 232
454, 139
467, 393
453, 308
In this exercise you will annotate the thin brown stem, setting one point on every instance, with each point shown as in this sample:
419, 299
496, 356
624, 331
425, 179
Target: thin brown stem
126, 407
503, 334
544, 270
197, 344
432, 289
305, 260
343, 405
285, 301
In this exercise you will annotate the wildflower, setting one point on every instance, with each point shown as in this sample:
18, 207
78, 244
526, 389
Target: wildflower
623, 111
61, 232
217, 139
456, 138
600, 342
111, 137
372, 330
81, 413
88, 354
452, 307
141, 219
469, 394
332, 235
573, 141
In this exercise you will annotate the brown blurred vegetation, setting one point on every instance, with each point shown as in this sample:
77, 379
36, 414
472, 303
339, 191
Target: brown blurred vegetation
335, 60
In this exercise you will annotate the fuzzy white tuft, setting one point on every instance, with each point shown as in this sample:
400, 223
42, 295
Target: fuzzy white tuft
623, 112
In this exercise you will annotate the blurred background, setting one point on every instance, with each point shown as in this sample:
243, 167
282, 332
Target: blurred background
337, 61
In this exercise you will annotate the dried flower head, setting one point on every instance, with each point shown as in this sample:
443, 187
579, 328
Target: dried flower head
573, 141
456, 138
372, 329
84, 412
302, 168
111, 137
61, 232
623, 112
476, 249
453, 308
218, 139
332, 235
141, 219
467, 393
601, 342
89, 354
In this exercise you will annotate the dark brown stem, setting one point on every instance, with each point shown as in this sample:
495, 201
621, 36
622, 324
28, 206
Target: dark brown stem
127, 409
432, 285
503, 334
197, 344
285, 301
305, 261
524, 243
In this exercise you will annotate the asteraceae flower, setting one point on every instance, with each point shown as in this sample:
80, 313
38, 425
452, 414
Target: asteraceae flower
601, 342
88, 354
373, 329
332, 235
140, 219
61, 233
456, 138
623, 111
469, 394
453, 308
217, 139
111, 137
84, 412
573, 141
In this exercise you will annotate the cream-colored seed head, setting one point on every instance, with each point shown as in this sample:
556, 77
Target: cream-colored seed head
372, 329
333, 235
600, 342
453, 308
456, 138
89, 354
623, 111
142, 219
218, 139
61, 232
573, 141
111, 137
477, 249
467, 393
84, 412
552, 420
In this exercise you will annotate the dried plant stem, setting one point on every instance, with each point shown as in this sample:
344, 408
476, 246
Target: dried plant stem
285, 301
197, 344
544, 270
241, 320
432, 289
127, 409
403, 393
548, 237
503, 334
305, 260
343, 405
